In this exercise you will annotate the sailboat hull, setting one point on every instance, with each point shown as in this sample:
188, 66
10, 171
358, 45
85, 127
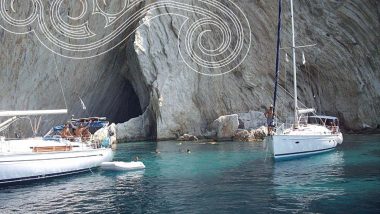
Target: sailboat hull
24, 167
295, 146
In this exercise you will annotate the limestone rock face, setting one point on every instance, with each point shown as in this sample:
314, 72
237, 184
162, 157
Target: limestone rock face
136, 129
30, 76
252, 119
226, 126
341, 76
150, 74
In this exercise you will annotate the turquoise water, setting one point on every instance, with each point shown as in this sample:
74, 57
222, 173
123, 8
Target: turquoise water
228, 177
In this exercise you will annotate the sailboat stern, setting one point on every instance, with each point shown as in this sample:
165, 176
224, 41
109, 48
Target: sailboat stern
293, 146
339, 138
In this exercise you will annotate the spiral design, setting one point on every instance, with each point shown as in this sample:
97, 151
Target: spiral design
211, 44
14, 17
223, 32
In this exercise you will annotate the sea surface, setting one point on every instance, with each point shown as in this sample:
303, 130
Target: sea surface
228, 177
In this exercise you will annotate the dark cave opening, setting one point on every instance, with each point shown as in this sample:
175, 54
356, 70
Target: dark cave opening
127, 105
118, 103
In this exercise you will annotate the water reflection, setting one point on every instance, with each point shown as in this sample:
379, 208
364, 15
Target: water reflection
70, 194
228, 177
298, 183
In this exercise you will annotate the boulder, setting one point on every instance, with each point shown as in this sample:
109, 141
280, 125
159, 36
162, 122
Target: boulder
226, 126
250, 136
252, 119
188, 137
135, 129
260, 133
242, 135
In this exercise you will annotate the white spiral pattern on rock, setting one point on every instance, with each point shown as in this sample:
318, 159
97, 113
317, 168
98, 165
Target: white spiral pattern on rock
227, 55
73, 36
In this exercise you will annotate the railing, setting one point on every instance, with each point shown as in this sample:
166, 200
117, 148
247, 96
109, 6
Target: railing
280, 129
333, 129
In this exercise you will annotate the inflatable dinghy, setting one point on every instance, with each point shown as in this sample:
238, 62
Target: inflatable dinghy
122, 166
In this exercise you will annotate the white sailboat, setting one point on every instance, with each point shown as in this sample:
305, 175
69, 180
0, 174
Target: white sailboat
307, 135
51, 155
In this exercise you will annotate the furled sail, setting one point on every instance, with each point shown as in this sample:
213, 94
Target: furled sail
306, 110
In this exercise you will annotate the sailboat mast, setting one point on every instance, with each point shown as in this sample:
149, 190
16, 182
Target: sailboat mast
277, 56
296, 123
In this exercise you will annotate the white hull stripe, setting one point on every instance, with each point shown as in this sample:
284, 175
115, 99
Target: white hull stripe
38, 177
297, 153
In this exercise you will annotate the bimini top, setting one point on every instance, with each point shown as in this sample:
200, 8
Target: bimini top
92, 119
88, 123
324, 117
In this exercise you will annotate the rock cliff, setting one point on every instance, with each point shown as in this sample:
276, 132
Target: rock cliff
157, 71
30, 75
341, 76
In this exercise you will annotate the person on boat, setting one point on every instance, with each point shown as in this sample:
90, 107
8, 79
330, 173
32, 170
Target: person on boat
79, 130
333, 127
86, 134
66, 132
269, 114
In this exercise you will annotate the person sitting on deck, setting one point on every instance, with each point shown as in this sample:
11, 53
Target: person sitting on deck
79, 130
86, 134
66, 132
269, 115
333, 127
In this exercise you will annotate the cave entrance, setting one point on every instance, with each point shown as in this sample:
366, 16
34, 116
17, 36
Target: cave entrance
126, 105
